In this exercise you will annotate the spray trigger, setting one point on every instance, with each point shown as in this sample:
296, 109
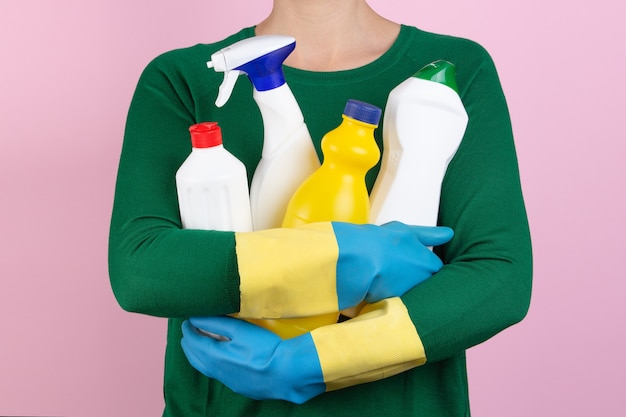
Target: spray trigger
227, 86
259, 57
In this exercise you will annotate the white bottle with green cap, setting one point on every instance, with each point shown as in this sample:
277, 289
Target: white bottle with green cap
423, 126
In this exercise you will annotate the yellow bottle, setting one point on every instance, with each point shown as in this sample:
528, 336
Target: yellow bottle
336, 191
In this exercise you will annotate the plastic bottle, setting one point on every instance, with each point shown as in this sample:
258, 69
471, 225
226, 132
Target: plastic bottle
212, 184
336, 191
288, 155
423, 126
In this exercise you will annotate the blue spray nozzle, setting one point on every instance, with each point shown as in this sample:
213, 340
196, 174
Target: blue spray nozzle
260, 58
265, 72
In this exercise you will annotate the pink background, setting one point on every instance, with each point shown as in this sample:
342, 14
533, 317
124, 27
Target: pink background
67, 73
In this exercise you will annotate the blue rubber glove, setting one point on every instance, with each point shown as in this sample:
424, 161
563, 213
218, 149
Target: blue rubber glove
254, 362
381, 341
321, 268
382, 262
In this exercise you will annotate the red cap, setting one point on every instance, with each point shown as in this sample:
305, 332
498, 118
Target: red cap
205, 135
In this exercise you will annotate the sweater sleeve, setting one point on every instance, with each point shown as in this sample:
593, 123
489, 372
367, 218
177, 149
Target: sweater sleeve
155, 266
485, 285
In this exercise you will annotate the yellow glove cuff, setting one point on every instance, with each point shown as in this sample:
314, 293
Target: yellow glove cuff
380, 342
288, 272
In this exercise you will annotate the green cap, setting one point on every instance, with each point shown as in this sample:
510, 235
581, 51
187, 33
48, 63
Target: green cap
442, 72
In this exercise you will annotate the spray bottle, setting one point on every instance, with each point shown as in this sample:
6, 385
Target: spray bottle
423, 126
288, 156
212, 184
336, 191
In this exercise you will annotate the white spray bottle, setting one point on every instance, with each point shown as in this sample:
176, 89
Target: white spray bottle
423, 126
288, 156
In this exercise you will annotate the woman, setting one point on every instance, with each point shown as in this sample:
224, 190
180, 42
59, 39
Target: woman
344, 50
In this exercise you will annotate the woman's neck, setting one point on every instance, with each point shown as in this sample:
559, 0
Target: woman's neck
331, 35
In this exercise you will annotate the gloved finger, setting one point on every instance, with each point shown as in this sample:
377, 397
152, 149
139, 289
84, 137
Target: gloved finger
433, 236
382, 289
427, 235
229, 327
418, 265
213, 357
195, 347
221, 326
242, 335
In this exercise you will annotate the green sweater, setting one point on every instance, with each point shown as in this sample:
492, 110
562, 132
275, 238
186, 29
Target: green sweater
159, 269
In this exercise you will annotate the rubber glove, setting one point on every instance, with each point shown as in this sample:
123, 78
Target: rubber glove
322, 268
256, 363
398, 257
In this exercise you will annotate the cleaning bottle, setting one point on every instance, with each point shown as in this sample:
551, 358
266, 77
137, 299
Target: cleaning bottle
423, 126
288, 155
336, 191
212, 184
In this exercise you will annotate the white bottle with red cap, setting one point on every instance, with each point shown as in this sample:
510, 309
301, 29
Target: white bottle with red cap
212, 184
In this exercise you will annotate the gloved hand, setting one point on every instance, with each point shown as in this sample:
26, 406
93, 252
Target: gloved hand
382, 262
256, 363
322, 268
